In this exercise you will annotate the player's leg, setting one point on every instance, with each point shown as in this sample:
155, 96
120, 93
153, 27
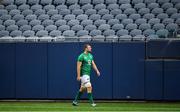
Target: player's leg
90, 96
79, 94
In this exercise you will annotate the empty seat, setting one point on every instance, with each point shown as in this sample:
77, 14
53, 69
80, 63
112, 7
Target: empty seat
73, 22
152, 36
28, 33
103, 27
61, 7
163, 1
148, 32
23, 7
31, 17
74, 6
172, 27
154, 21
18, 17
77, 28
116, 12
82, 17
32, 2
5, 17
39, 12
162, 16
125, 6
90, 11
135, 16
77, 12
82, 2
49, 7
113, 21
103, 11
129, 11
3, 12
137, 1
55, 33
94, 17
20, 2
122, 32
2, 6
139, 6
171, 11
35, 22
4, 33
175, 16
149, 1
16, 33
10, 7
82, 33
107, 17
2, 27
64, 11
42, 33
22, 22
175, 1
45, 2
178, 21
64, 28
158, 26
167, 21
27, 12
69, 33
117, 27
99, 7
149, 16
112, 6
144, 26
86, 22
127, 21
121, 16
95, 32
14, 12
60, 22
108, 32
123, 1
165, 6
52, 12
97, 1
58, 2
25, 28
36, 7
162, 33
11, 28
9, 22
143, 11
69, 17
99, 22
37, 28
157, 11
90, 27
131, 26
43, 17
151, 6
56, 17
69, 2
47, 22
177, 6
50, 28
7, 2
135, 32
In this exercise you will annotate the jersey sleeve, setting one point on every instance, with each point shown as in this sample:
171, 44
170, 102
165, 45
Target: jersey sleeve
80, 58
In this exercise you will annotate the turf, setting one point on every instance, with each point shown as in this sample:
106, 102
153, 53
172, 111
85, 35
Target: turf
85, 107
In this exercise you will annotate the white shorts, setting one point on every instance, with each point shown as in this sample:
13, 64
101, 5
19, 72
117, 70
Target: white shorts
85, 81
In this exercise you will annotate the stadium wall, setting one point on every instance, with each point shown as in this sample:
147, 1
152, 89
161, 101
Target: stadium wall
130, 70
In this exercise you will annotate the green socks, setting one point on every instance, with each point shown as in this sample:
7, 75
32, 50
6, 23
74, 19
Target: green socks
90, 97
78, 96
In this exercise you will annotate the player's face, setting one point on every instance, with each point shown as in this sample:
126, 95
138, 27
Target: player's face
89, 49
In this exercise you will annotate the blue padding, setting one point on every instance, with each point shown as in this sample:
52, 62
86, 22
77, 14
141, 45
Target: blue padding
163, 49
154, 80
31, 70
172, 80
62, 59
7, 70
128, 70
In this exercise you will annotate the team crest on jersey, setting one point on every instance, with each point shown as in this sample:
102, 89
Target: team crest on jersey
89, 62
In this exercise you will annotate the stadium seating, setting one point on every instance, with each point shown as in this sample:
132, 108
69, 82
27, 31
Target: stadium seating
103, 18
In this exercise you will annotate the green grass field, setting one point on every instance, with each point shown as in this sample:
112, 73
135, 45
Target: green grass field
85, 107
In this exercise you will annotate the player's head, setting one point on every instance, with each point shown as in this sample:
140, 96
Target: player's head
87, 48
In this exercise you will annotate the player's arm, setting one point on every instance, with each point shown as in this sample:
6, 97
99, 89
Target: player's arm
78, 70
95, 68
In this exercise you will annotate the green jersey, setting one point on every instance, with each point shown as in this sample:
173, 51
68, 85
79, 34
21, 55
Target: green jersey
86, 60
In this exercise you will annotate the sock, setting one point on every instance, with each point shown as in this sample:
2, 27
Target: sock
90, 97
78, 96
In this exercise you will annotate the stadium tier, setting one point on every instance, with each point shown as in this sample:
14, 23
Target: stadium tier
88, 19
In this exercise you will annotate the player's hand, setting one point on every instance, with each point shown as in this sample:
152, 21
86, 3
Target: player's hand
78, 78
98, 73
